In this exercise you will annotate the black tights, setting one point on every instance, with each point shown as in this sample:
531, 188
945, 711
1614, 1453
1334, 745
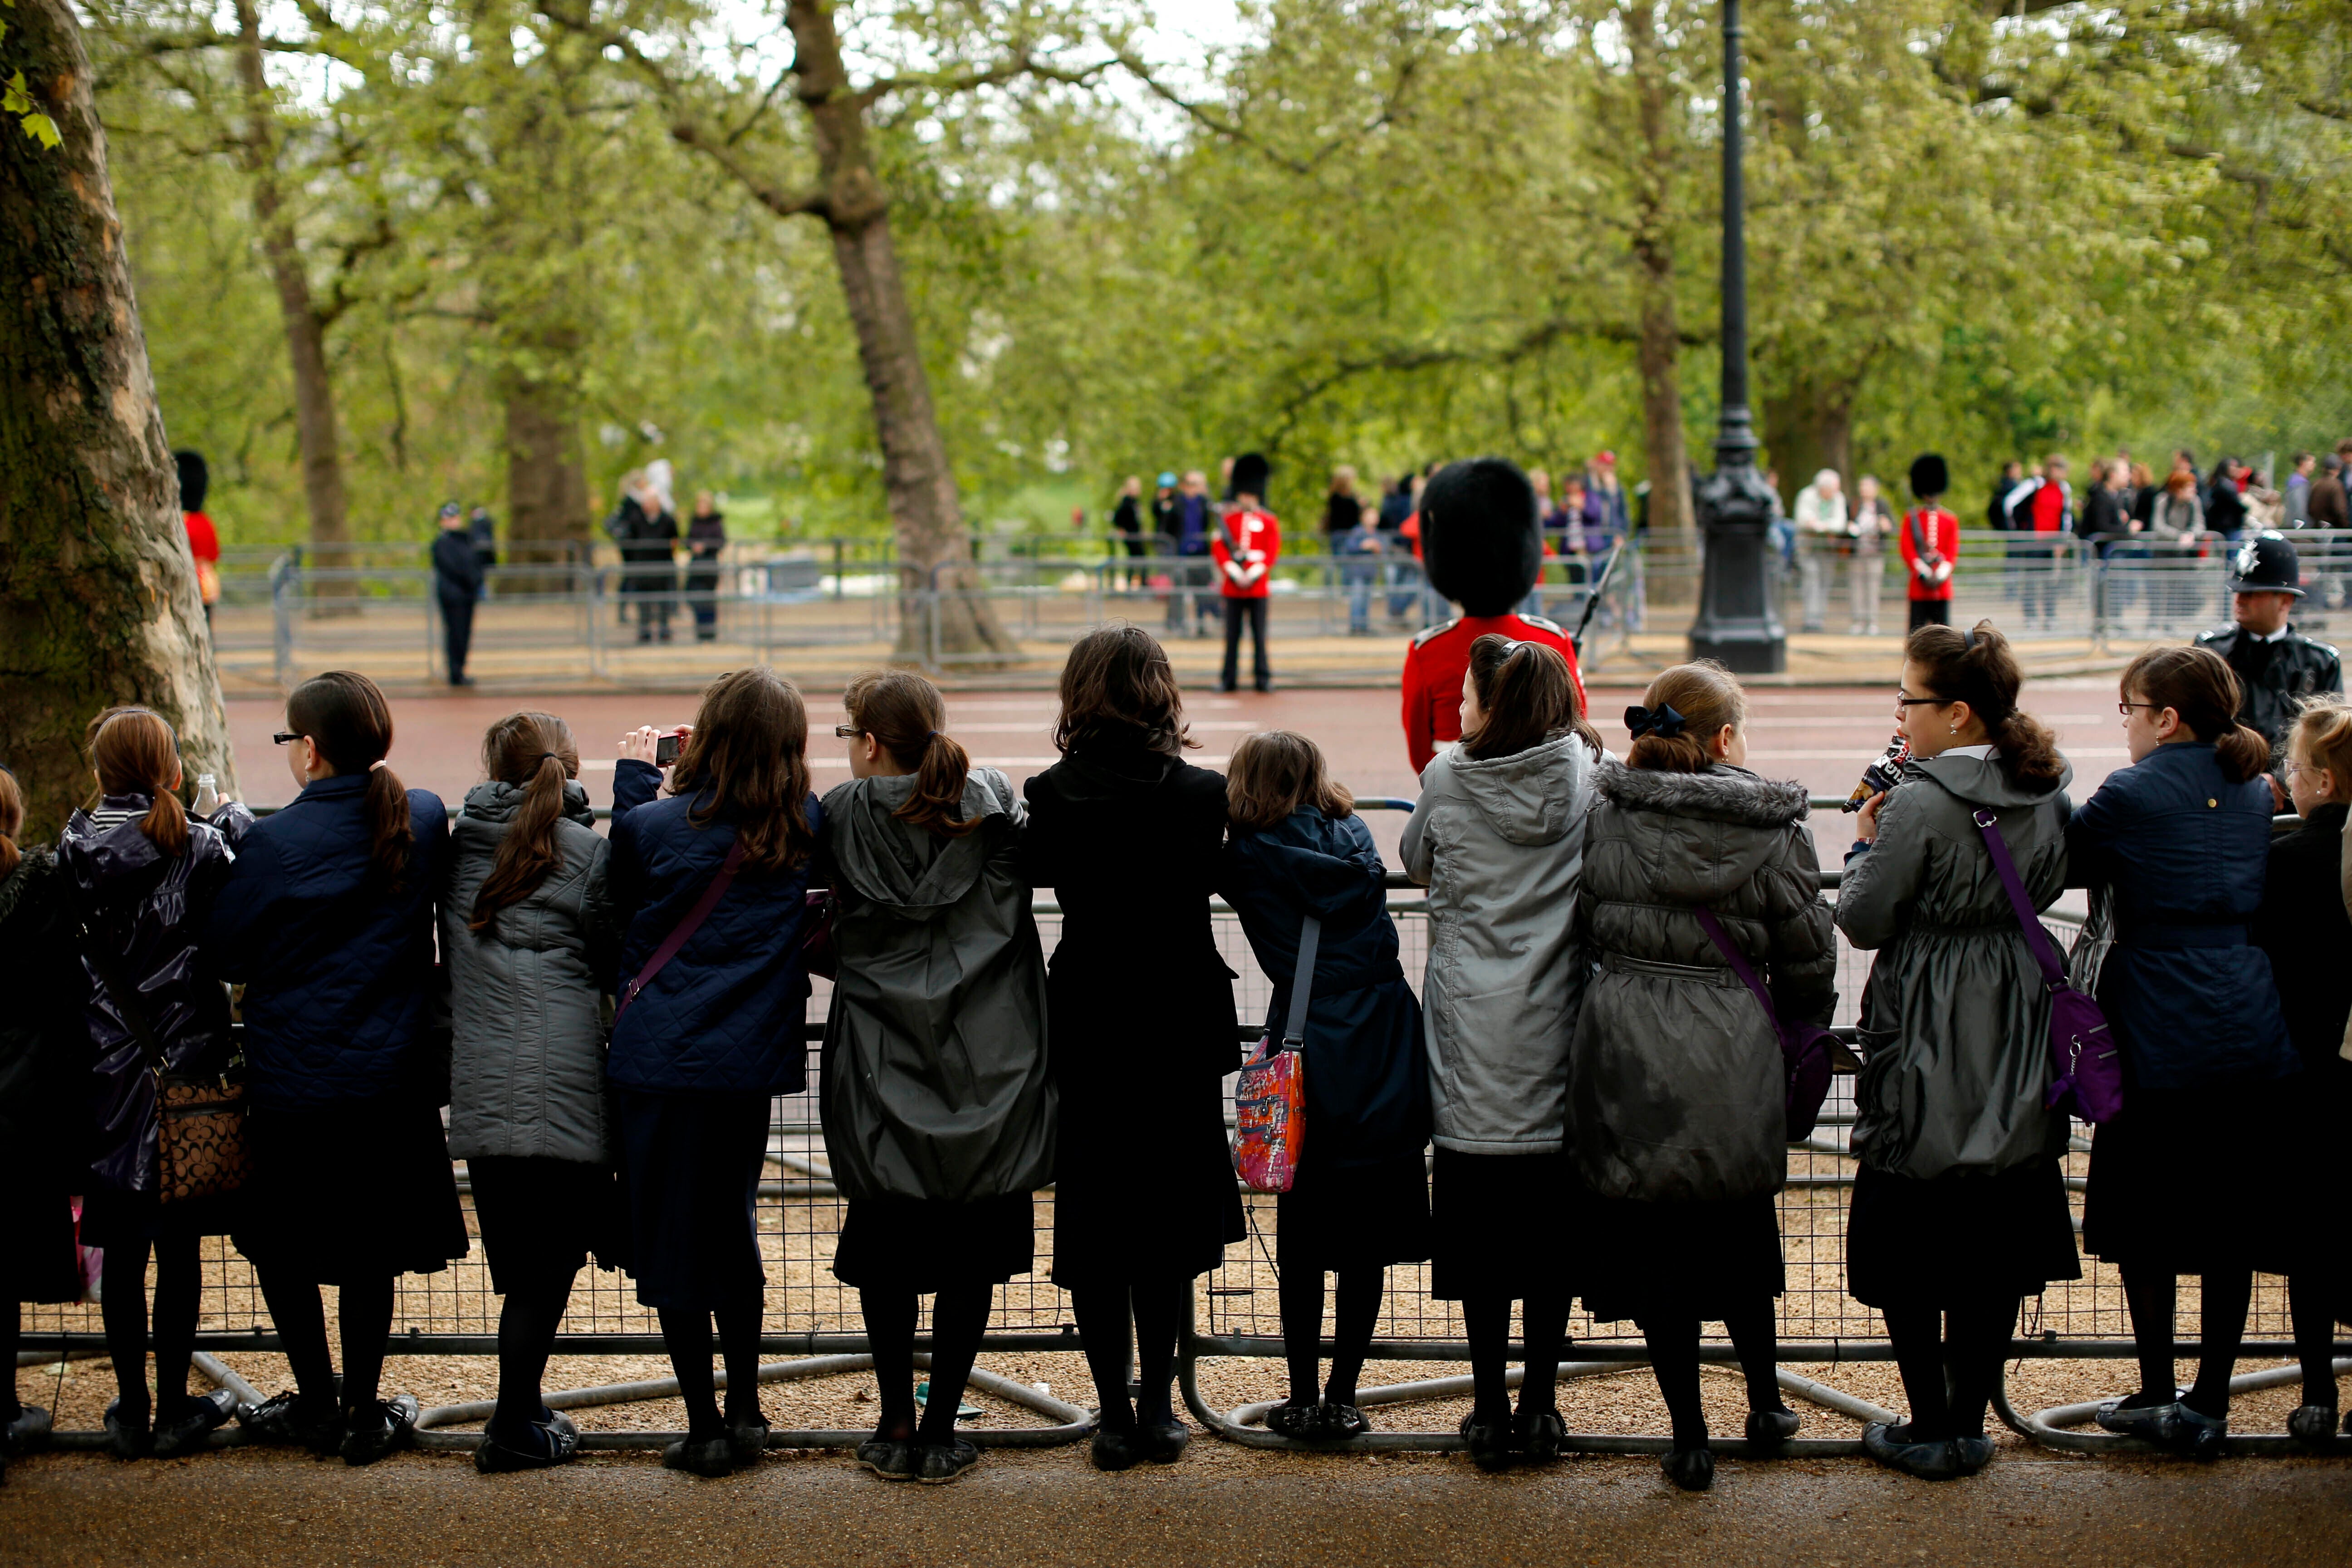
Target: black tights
958, 1317
365, 1310
1487, 1321
2315, 1337
1673, 1356
1358, 1309
2150, 1293
1950, 1354
123, 1293
12, 1334
685, 1332
1156, 1308
527, 1323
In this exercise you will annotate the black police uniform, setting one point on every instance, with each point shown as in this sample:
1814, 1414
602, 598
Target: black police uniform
2275, 673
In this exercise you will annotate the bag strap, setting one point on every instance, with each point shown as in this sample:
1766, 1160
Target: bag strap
1730, 950
686, 927
126, 1004
2054, 968
1302, 983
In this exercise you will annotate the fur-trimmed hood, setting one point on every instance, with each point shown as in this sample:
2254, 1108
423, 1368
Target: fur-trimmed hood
1722, 793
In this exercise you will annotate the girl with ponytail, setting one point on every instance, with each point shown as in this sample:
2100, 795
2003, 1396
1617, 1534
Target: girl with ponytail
938, 1110
2181, 837
143, 876
528, 936
328, 921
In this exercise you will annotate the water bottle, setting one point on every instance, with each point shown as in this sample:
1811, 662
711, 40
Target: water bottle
207, 795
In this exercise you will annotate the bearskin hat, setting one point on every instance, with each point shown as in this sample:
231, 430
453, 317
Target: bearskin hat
194, 480
1929, 478
1249, 476
1479, 537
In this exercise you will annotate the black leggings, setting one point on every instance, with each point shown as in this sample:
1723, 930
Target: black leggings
11, 1332
527, 1323
1359, 1310
123, 1295
2151, 1293
958, 1317
1156, 1308
365, 1310
685, 1333
1487, 1321
1673, 1339
2314, 1338
1950, 1354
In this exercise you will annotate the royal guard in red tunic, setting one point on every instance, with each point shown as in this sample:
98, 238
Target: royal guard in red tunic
1245, 546
1481, 546
1930, 544
204, 542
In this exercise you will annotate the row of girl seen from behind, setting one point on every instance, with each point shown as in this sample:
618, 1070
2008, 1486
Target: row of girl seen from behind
1550, 1074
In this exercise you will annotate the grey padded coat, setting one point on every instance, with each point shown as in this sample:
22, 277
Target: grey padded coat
527, 995
1955, 1022
935, 1081
1676, 1089
1500, 844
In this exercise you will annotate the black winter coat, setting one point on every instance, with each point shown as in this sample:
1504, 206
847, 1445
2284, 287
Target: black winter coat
457, 565
2303, 927
144, 909
2274, 676
44, 1050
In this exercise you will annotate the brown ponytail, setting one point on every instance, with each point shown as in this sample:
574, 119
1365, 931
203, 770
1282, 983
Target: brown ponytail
905, 714
1707, 698
1526, 696
346, 716
2199, 685
133, 751
535, 753
12, 819
1976, 666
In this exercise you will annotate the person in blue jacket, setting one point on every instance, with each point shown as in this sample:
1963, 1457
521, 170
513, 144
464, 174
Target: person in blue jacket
1361, 1199
713, 994
2182, 838
327, 920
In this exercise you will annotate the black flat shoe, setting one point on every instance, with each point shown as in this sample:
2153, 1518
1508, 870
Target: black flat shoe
1895, 1447
26, 1432
1691, 1469
1299, 1423
892, 1458
944, 1462
746, 1440
1537, 1435
1163, 1442
2152, 1421
2199, 1435
1343, 1422
193, 1423
1769, 1429
709, 1458
285, 1418
1972, 1454
128, 1439
374, 1430
1115, 1450
1488, 1439
2313, 1425
547, 1442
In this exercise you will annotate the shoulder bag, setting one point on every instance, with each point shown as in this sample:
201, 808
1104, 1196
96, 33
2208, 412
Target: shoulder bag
2085, 1067
686, 927
1270, 1101
1804, 1047
201, 1147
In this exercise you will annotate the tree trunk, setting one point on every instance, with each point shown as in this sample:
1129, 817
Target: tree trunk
306, 333
98, 591
546, 478
1807, 428
1660, 354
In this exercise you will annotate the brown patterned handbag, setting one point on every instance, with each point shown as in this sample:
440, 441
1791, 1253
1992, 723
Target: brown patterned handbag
201, 1150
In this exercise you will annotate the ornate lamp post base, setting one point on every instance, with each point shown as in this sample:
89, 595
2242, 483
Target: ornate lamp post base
1738, 625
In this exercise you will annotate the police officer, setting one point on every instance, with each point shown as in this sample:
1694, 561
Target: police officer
2277, 666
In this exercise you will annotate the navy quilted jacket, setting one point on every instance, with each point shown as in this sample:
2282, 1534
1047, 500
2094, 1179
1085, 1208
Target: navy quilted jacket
337, 968
727, 1015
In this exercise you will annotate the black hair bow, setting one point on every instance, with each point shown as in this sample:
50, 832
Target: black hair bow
1661, 721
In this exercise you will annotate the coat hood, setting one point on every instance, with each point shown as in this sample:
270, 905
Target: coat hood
917, 873
1114, 766
37, 866
499, 801
1722, 793
1317, 866
111, 861
1531, 796
1982, 780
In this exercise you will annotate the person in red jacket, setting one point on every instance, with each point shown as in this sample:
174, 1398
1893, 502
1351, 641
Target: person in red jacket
1481, 546
1246, 544
1930, 544
204, 542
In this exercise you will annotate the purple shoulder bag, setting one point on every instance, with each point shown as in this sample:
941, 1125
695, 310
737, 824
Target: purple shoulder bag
1804, 1047
2085, 1067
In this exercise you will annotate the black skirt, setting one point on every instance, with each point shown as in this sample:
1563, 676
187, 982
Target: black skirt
925, 1246
691, 1163
1143, 1189
1357, 1216
2190, 1179
351, 1195
1482, 1242
1681, 1259
38, 1261
1958, 1238
140, 1219
541, 1219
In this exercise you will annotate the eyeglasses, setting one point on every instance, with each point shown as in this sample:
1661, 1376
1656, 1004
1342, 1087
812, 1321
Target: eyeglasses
1903, 701
2124, 708
849, 732
284, 735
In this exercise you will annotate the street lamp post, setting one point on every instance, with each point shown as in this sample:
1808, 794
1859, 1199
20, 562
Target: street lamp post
1736, 622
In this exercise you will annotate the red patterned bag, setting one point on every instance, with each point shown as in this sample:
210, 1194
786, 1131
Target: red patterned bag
1270, 1101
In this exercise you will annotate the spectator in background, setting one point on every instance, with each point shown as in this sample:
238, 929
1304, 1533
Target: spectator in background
2225, 507
2176, 532
204, 542
645, 530
1195, 520
1396, 509
2105, 515
2012, 474
1608, 491
1164, 521
706, 539
1340, 506
1127, 528
483, 531
2326, 506
2299, 490
1545, 509
1822, 525
1873, 521
2330, 509
1359, 551
457, 585
1607, 495
2043, 505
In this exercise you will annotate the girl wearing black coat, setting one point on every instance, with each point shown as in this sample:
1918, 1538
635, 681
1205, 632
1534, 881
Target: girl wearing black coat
2305, 931
142, 876
1139, 1007
1360, 1200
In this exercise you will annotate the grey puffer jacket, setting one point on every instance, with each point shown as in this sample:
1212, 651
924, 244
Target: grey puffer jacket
935, 1081
526, 994
1955, 1022
1500, 845
1676, 1089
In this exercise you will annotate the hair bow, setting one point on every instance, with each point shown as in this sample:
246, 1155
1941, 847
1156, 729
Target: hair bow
1661, 721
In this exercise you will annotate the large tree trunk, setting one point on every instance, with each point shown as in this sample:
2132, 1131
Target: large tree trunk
1660, 354
547, 478
306, 333
1809, 426
98, 591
